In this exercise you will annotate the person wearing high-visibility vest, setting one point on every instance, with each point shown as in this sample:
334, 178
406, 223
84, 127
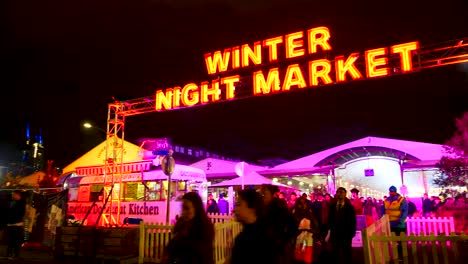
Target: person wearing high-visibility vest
396, 207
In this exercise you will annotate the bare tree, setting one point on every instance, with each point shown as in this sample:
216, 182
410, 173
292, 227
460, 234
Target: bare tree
453, 166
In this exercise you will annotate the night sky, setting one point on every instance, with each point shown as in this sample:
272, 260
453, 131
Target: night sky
61, 62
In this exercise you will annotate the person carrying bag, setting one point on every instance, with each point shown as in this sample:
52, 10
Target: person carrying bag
304, 241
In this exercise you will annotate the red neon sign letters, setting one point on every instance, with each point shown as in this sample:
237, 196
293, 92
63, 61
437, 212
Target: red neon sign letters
292, 46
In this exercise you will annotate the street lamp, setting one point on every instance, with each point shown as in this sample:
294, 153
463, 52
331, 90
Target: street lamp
88, 125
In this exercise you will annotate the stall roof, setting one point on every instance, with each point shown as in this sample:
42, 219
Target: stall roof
33, 179
96, 156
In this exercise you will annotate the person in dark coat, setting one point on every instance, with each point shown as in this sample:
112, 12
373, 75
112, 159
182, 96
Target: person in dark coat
411, 207
279, 223
251, 246
212, 206
223, 205
309, 202
342, 225
427, 206
15, 225
193, 235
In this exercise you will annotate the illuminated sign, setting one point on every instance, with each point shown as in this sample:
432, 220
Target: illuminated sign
131, 177
373, 63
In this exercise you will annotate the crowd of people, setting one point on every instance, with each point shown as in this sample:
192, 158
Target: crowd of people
272, 224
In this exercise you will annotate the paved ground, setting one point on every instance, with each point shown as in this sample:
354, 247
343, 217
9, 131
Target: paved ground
320, 255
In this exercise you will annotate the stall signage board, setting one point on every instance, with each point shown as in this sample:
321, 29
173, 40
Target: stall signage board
131, 177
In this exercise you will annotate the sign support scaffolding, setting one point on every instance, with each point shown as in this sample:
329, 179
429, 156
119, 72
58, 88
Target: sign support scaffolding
114, 164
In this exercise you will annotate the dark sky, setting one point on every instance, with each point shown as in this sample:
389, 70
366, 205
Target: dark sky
62, 61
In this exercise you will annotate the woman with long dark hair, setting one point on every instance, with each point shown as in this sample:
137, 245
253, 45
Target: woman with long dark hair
192, 240
302, 211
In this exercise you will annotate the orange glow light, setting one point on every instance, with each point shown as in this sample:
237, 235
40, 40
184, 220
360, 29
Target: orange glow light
163, 99
318, 36
218, 61
294, 44
270, 85
272, 45
255, 55
372, 62
230, 88
323, 73
342, 67
293, 77
190, 95
214, 92
176, 97
236, 57
405, 54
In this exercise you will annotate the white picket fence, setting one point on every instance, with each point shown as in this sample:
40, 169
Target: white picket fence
429, 225
219, 218
225, 234
381, 246
155, 237
416, 249
380, 227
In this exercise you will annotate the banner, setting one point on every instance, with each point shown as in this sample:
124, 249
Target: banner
44, 212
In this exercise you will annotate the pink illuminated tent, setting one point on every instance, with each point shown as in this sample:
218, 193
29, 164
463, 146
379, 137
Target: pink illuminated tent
387, 162
419, 154
252, 178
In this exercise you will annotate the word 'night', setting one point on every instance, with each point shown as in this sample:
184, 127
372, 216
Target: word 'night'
294, 45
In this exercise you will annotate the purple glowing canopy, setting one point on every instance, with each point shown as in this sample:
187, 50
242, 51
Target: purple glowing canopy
409, 151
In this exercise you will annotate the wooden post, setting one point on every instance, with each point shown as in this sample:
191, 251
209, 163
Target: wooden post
141, 249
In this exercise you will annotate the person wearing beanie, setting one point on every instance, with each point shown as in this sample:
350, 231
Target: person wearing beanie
396, 207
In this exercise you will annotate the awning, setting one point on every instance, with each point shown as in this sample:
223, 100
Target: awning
126, 168
74, 182
64, 177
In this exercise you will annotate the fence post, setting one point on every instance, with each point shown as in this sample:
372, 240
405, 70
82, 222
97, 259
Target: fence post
141, 248
365, 246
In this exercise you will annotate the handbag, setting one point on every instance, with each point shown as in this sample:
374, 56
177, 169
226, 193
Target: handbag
303, 249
